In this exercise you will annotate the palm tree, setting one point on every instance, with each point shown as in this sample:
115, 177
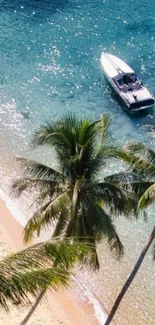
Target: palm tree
35, 268
72, 194
140, 180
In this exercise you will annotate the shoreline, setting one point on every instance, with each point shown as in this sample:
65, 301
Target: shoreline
69, 308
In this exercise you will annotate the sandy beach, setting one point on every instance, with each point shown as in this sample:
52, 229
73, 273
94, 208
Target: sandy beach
58, 307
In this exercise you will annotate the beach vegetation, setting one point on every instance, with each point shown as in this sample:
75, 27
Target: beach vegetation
74, 199
141, 180
25, 274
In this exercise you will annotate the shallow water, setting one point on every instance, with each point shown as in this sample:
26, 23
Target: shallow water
49, 64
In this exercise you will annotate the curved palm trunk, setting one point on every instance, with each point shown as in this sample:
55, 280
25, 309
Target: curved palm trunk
130, 279
33, 308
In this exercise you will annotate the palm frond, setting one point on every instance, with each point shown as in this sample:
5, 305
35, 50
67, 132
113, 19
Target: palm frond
127, 182
20, 185
47, 214
61, 224
54, 133
46, 187
116, 199
141, 158
94, 159
71, 250
101, 128
113, 151
87, 138
37, 170
123, 178
147, 198
136, 147
99, 157
140, 187
130, 182
32, 270
85, 131
60, 134
103, 124
75, 141
15, 288
102, 225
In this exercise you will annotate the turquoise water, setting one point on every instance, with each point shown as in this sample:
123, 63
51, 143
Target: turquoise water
49, 64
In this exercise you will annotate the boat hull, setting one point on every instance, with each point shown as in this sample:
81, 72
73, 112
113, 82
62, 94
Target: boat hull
136, 101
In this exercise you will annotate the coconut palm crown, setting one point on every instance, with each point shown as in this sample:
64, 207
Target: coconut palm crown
73, 195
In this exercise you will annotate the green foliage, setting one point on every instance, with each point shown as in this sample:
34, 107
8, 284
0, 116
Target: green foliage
141, 159
38, 267
135, 183
142, 173
147, 197
69, 195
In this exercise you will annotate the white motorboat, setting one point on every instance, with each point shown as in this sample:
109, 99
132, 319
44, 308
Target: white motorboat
126, 83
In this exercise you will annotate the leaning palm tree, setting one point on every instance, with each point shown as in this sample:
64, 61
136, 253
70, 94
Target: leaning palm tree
141, 179
73, 194
26, 273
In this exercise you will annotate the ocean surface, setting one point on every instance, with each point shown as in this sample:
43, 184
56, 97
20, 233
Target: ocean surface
49, 65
